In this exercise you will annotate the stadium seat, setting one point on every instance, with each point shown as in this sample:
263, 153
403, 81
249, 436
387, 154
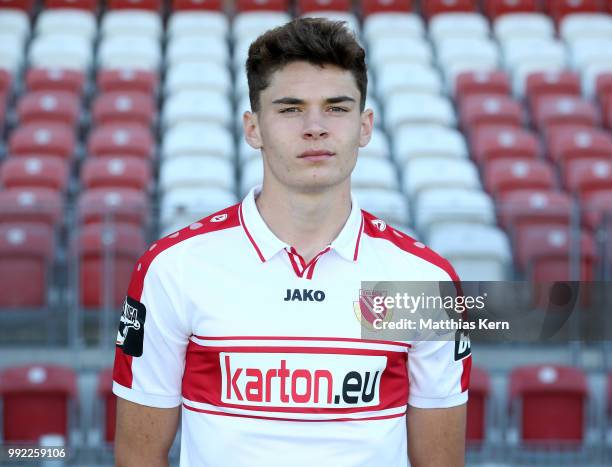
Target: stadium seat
590, 52
583, 25
597, 212
352, 23
458, 25
203, 172
200, 22
372, 172
246, 153
6, 81
87, 5
31, 206
262, 5
534, 51
198, 76
132, 21
389, 205
250, 24
550, 402
558, 9
307, 6
478, 403
590, 75
109, 172
407, 108
378, 147
569, 143
552, 82
519, 210
445, 206
396, 25
468, 83
396, 49
14, 21
43, 139
552, 110
78, 22
122, 245
23, 5
496, 8
183, 206
124, 108
127, 80
109, 404
121, 139
197, 6
427, 141
603, 86
11, 54
426, 173
153, 5
495, 142
436, 7
479, 110
587, 177
37, 400
144, 53
31, 172
50, 106
197, 48
61, 50
522, 26
55, 79
477, 252
113, 205
26, 255
251, 174
370, 7
504, 176
397, 77
458, 54
197, 107
198, 139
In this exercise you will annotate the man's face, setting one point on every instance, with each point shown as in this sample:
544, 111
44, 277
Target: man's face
309, 126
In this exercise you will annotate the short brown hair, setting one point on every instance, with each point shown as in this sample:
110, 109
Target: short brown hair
314, 40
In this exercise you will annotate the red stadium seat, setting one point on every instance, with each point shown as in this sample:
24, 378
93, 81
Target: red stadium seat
587, 177
504, 176
369, 7
305, 6
560, 8
122, 245
201, 5
568, 143
5, 81
519, 210
127, 80
154, 5
552, 402
494, 142
124, 107
26, 253
481, 109
603, 86
495, 8
41, 172
54, 79
113, 205
563, 110
542, 83
597, 211
434, 7
469, 83
128, 172
56, 106
43, 139
31, 205
547, 253
36, 400
109, 403
125, 140
24, 5
262, 5
88, 5
480, 387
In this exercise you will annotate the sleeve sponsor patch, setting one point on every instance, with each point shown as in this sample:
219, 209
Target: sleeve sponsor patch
463, 347
130, 336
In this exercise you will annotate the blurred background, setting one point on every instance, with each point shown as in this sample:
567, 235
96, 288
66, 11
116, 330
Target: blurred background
120, 122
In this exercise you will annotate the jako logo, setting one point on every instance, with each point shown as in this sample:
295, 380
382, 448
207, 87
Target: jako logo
301, 380
304, 295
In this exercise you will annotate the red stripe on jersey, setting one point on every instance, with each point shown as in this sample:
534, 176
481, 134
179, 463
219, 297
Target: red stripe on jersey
225, 219
296, 268
248, 234
358, 239
299, 338
313, 263
465, 375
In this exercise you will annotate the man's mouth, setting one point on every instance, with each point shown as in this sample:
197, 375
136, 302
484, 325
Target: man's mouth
316, 155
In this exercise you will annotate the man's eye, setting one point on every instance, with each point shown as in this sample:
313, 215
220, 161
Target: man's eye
338, 109
289, 110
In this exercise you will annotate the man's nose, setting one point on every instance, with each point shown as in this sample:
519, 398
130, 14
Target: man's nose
314, 127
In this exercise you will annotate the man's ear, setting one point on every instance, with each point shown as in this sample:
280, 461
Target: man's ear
250, 126
367, 124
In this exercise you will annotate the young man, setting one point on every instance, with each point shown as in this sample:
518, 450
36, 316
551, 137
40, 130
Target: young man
245, 319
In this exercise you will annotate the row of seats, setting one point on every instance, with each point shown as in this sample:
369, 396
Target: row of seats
547, 403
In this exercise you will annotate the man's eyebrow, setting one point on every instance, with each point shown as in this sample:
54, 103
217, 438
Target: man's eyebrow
296, 101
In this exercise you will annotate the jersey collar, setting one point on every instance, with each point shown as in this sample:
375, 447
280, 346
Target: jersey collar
267, 244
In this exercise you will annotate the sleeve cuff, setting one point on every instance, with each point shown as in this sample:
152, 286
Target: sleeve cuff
433, 403
150, 400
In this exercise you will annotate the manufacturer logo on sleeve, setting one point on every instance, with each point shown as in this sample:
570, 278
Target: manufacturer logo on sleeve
130, 336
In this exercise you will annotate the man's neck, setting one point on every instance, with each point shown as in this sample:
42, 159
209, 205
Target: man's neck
307, 221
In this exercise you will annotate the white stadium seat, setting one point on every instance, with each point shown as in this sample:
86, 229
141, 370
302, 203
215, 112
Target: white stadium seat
14, 23
407, 77
11, 52
198, 23
523, 26
197, 107
351, 20
246, 152
241, 52
389, 49
427, 141
540, 52
67, 21
61, 51
251, 24
590, 75
371, 172
467, 54
426, 173
193, 139
399, 25
451, 205
196, 172
251, 175
197, 48
378, 146
587, 52
198, 76
414, 108
522, 72
143, 53
132, 23
585, 25
477, 252
183, 206
389, 205
458, 25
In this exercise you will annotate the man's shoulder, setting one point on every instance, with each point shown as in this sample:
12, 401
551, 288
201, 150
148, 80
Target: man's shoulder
403, 245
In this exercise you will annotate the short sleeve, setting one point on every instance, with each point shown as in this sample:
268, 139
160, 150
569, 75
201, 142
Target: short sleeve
152, 337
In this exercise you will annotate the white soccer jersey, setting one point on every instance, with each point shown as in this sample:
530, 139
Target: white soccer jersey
264, 351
